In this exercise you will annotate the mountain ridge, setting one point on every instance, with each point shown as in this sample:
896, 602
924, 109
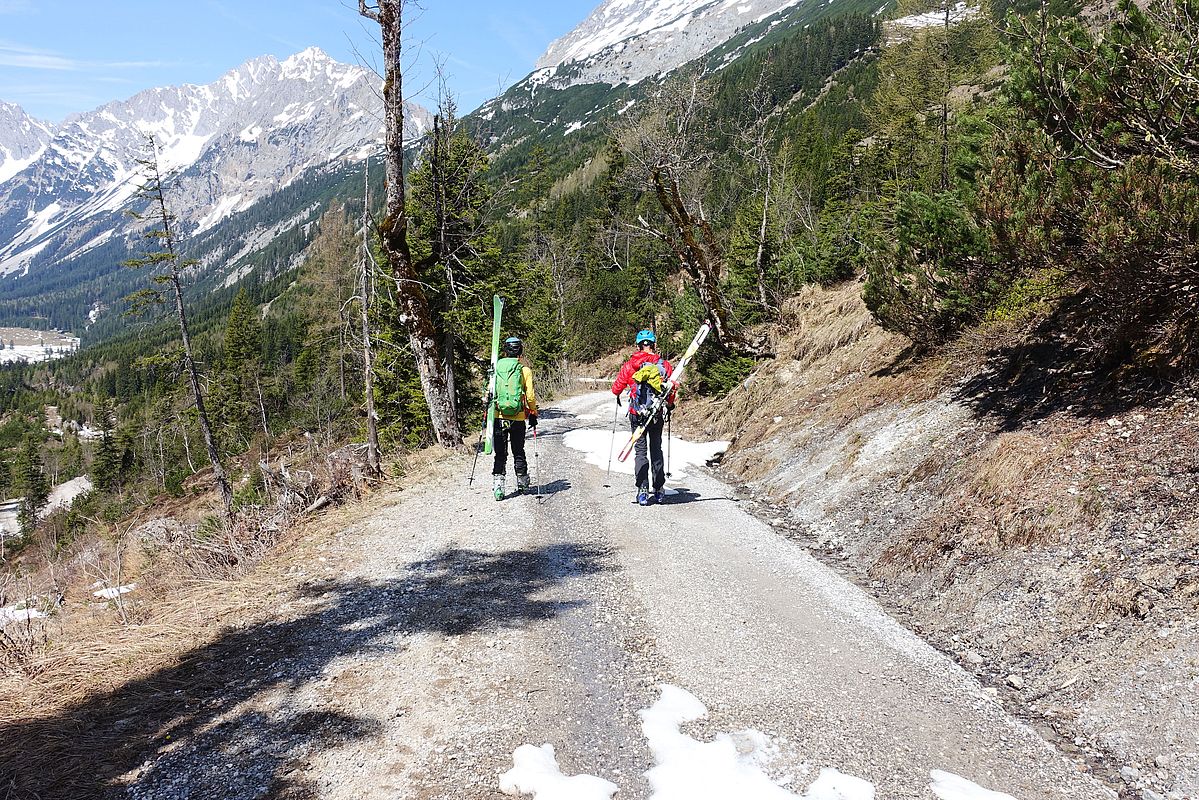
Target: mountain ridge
231, 143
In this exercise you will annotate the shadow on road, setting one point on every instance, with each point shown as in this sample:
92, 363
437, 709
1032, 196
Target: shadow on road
685, 495
555, 486
194, 730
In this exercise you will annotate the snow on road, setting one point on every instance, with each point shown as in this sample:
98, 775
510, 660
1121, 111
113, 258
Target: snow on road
600, 447
730, 766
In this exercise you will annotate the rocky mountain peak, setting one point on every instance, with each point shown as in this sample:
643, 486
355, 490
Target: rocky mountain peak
626, 41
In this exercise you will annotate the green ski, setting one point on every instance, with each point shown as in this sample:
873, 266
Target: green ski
497, 312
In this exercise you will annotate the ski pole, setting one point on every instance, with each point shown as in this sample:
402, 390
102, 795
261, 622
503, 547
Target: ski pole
612, 443
478, 447
668, 415
537, 465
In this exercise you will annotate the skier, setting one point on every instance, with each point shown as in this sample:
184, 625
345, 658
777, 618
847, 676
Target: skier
644, 375
515, 409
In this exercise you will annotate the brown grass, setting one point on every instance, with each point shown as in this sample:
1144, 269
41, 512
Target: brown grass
192, 584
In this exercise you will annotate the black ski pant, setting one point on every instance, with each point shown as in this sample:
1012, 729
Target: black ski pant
509, 430
651, 442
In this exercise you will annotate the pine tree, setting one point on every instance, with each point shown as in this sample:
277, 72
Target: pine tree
6, 479
31, 482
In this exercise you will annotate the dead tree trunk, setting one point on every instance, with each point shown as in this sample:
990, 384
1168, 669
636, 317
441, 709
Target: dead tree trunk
365, 285
697, 252
412, 304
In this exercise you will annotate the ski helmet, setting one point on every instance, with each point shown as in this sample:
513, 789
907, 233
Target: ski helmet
513, 347
645, 336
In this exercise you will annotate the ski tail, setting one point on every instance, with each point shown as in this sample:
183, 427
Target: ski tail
672, 383
497, 313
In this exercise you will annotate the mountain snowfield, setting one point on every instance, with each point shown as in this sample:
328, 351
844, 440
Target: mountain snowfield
22, 139
626, 41
231, 143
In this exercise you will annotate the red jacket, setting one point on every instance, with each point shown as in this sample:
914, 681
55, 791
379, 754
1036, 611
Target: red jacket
624, 379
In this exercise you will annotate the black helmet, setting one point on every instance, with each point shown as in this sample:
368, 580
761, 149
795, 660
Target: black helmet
513, 347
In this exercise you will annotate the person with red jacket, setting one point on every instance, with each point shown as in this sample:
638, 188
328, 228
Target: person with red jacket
644, 375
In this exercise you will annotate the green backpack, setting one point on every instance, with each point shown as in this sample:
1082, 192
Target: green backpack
509, 388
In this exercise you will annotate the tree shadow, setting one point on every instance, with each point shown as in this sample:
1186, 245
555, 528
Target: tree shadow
228, 720
1051, 370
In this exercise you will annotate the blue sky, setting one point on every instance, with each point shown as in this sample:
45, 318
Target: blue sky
74, 55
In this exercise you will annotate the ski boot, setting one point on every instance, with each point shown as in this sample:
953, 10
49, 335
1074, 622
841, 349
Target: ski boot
659, 497
522, 483
642, 498
497, 487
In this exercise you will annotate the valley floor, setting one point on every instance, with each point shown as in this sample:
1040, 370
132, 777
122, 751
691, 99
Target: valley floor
434, 636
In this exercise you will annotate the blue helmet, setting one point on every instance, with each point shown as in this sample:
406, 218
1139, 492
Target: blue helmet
645, 336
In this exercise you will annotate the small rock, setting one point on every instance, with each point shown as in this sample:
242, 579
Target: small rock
1163, 762
1149, 794
1130, 774
1015, 681
1114, 423
973, 658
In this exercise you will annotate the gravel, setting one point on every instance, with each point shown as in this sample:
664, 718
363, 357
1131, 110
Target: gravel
435, 636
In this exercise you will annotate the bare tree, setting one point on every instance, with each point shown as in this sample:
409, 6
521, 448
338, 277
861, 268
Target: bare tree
666, 152
393, 230
167, 259
754, 143
366, 264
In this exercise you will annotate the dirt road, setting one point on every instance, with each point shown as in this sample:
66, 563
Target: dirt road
444, 632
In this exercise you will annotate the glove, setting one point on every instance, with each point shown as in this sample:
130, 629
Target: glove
532, 418
618, 401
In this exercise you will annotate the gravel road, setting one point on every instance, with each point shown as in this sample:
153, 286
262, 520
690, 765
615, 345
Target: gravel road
443, 632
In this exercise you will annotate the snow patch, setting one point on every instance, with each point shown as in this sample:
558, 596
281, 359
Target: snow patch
729, 766
15, 614
596, 444
535, 771
948, 786
113, 592
11, 166
931, 19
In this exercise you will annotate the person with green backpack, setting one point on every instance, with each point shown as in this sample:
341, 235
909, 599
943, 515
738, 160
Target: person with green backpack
515, 410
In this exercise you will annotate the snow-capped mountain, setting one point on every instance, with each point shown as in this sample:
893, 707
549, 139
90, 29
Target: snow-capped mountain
22, 139
626, 41
231, 143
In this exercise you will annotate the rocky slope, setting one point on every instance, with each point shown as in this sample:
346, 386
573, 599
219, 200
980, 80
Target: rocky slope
1049, 540
624, 41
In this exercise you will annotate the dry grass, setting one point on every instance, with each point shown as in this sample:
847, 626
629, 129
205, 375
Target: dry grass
193, 583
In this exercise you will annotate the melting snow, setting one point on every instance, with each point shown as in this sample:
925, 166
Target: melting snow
64, 494
729, 766
112, 593
948, 786
14, 614
535, 771
596, 444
